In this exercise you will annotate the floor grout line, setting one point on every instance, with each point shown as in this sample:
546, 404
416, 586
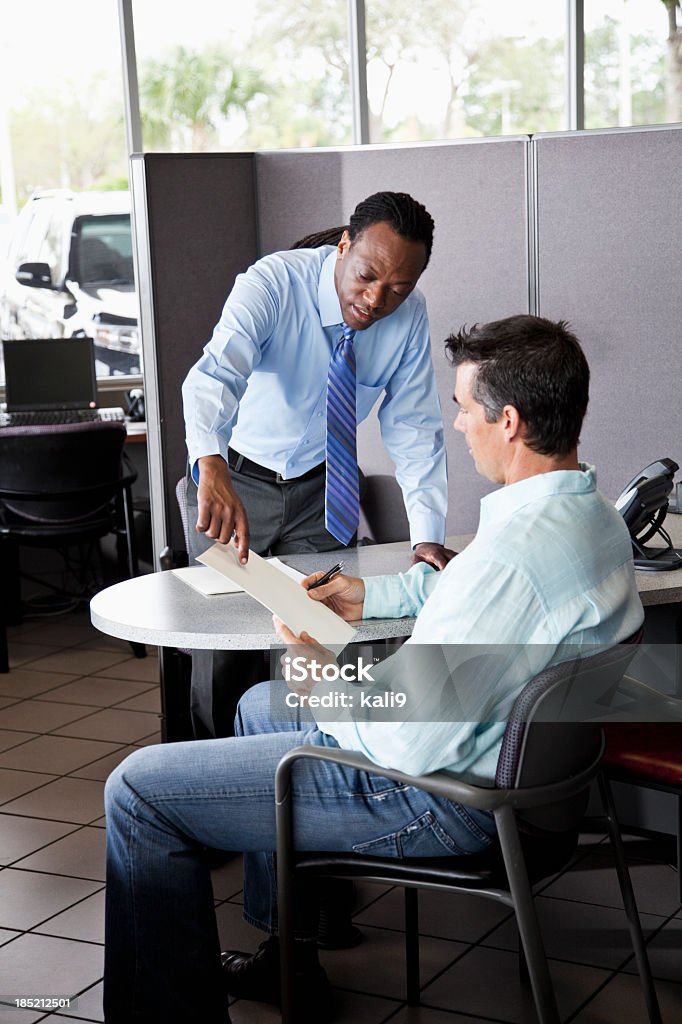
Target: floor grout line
597, 846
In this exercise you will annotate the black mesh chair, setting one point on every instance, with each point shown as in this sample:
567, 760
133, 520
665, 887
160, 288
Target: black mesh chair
383, 518
544, 772
62, 485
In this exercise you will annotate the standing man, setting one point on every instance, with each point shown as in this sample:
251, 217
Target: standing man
308, 341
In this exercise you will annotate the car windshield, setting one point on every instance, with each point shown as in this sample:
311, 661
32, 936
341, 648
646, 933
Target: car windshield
104, 250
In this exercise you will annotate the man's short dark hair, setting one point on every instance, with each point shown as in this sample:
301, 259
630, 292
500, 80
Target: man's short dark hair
537, 366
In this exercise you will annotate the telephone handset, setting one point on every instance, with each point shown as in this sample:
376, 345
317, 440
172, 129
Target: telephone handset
643, 505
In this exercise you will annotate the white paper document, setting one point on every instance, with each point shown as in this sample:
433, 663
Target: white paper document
281, 594
207, 581
210, 582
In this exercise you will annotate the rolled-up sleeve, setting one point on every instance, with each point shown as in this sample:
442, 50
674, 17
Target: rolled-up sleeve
401, 595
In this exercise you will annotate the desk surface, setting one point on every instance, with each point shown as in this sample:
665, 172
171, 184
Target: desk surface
136, 432
160, 609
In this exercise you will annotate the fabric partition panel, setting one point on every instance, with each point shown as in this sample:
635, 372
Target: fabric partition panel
609, 228
195, 230
298, 192
476, 193
201, 219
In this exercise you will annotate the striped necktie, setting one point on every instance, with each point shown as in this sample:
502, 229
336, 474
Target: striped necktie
341, 498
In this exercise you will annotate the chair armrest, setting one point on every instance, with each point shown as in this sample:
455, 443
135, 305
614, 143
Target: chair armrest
651, 706
440, 783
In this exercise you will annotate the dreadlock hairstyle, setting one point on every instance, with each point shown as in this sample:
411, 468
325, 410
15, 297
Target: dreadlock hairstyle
405, 215
331, 236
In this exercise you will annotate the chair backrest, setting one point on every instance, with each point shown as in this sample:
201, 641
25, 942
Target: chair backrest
60, 473
383, 509
553, 731
181, 497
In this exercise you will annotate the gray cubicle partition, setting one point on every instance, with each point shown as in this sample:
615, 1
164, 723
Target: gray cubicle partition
476, 193
609, 231
195, 230
202, 219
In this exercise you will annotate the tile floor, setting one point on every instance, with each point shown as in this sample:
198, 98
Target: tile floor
76, 702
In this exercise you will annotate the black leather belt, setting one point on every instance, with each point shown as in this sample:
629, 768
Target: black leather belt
240, 464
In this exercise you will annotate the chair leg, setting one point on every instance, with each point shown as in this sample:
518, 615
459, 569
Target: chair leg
522, 964
285, 898
10, 603
4, 653
412, 946
131, 544
529, 930
628, 896
679, 848
10, 597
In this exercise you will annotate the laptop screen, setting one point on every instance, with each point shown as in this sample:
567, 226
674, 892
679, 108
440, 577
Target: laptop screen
50, 373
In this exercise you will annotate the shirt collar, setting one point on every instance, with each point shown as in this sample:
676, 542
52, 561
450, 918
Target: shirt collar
505, 502
328, 300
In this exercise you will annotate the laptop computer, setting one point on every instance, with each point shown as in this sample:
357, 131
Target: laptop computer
51, 380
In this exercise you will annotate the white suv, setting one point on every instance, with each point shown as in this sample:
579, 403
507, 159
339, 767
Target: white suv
69, 273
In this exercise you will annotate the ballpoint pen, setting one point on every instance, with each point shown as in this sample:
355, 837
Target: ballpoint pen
330, 573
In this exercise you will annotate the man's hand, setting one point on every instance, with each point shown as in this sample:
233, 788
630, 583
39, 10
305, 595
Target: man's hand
221, 513
434, 554
345, 595
307, 647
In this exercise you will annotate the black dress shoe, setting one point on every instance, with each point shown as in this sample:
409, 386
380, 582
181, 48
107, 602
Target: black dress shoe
256, 976
253, 975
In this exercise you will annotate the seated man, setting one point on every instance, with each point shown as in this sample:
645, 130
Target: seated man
549, 568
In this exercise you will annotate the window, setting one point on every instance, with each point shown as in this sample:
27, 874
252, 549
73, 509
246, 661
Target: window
464, 69
275, 73
628, 80
267, 74
62, 93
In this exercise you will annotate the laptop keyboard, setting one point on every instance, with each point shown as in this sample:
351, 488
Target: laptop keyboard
43, 418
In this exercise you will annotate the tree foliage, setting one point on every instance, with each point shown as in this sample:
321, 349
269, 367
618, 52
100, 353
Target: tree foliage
62, 140
673, 60
436, 72
184, 96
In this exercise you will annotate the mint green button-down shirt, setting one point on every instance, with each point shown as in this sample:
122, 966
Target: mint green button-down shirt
550, 570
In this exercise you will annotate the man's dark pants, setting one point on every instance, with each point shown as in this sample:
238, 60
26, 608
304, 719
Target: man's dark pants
285, 518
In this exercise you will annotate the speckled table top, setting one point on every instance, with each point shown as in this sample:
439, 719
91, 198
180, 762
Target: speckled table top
160, 609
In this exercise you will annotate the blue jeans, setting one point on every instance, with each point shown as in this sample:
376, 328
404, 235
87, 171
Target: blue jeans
165, 803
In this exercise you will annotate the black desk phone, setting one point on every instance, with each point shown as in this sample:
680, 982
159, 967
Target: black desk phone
643, 505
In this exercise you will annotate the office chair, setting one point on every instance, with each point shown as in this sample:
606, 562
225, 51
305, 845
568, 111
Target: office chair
383, 518
544, 771
649, 753
61, 485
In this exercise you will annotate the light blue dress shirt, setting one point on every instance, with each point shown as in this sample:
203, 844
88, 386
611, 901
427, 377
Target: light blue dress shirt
550, 568
260, 386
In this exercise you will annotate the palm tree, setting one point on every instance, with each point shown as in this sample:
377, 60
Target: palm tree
184, 95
